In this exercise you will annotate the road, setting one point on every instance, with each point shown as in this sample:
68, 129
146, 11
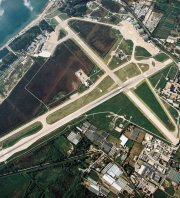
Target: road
169, 135
47, 129
86, 48
26, 142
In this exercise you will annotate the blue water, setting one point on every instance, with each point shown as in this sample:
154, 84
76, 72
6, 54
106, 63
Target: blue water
14, 15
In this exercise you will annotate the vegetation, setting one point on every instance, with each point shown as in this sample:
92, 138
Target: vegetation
147, 96
52, 22
45, 26
22, 42
160, 194
126, 46
161, 57
16, 185
129, 71
120, 105
32, 129
7, 60
101, 89
168, 187
60, 177
99, 37
62, 34
158, 80
141, 53
111, 5
170, 19
143, 67
75, 8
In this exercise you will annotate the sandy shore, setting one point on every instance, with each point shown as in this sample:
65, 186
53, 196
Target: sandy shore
31, 24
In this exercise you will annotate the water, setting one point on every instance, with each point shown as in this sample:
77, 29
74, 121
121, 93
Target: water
15, 14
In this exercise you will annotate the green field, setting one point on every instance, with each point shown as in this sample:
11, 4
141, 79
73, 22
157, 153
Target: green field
100, 90
143, 67
147, 96
141, 53
14, 186
32, 129
172, 110
161, 57
52, 22
62, 34
50, 182
129, 71
169, 21
62, 180
160, 194
126, 46
158, 80
120, 105
114, 48
116, 62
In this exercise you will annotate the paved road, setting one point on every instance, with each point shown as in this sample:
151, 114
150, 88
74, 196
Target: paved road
169, 135
88, 50
26, 142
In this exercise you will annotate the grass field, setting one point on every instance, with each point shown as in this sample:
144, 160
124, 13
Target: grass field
141, 53
143, 67
172, 110
127, 72
158, 80
62, 34
14, 186
32, 129
161, 57
116, 62
101, 89
169, 20
127, 46
120, 105
115, 46
147, 96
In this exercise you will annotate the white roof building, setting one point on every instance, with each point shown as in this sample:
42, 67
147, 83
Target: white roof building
114, 171
108, 179
123, 140
74, 138
117, 186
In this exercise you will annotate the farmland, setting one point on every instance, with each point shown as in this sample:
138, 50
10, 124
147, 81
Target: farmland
57, 77
170, 19
99, 37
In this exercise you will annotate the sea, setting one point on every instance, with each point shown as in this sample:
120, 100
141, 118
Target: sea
16, 14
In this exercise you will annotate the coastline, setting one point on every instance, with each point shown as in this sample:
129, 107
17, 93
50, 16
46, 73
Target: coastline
29, 24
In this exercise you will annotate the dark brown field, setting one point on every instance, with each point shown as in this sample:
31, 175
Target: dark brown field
57, 77
101, 38
20, 106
